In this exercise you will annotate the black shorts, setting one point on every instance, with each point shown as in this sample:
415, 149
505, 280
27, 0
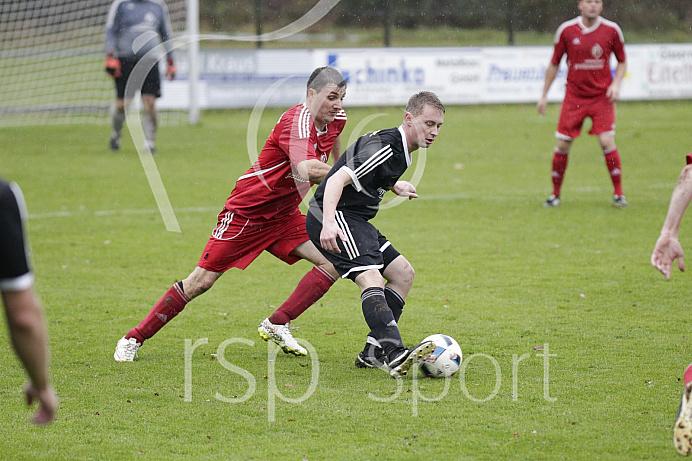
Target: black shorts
150, 85
15, 272
366, 249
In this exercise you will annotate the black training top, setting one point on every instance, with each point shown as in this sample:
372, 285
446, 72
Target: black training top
375, 163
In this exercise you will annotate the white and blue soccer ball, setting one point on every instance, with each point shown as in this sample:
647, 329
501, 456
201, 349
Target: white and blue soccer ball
445, 359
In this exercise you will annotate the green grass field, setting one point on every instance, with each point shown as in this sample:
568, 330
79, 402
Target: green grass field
494, 269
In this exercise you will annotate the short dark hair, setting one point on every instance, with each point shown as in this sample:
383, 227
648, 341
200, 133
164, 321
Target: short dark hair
323, 76
418, 101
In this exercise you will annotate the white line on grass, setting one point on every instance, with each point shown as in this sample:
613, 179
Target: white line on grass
443, 197
73, 214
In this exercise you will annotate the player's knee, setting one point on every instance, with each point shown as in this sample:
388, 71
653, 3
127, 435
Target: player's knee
24, 321
197, 285
410, 274
405, 273
329, 268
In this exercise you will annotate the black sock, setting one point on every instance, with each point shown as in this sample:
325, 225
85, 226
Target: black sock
380, 319
396, 305
395, 302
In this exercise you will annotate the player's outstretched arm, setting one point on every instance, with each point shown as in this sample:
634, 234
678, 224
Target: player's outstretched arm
29, 338
667, 247
550, 74
313, 170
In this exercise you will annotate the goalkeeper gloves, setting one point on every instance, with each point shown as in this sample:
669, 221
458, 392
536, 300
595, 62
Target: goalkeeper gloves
113, 65
170, 70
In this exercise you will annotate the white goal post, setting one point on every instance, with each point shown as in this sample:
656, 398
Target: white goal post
52, 60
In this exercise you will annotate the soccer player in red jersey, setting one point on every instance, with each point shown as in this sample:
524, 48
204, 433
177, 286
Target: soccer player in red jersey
588, 41
262, 214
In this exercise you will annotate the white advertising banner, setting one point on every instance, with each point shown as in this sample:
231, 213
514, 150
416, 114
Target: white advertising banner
658, 72
388, 76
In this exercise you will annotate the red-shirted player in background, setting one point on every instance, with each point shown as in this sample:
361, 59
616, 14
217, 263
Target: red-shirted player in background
588, 40
262, 214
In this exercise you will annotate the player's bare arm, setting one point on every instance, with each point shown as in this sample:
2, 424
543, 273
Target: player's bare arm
550, 74
613, 91
29, 338
314, 170
667, 247
332, 194
336, 150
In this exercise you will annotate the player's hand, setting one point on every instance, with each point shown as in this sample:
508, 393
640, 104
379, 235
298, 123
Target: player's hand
113, 66
613, 93
542, 105
170, 70
667, 249
48, 403
405, 189
328, 236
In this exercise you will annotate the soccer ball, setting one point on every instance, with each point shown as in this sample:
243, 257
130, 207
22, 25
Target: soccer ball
445, 359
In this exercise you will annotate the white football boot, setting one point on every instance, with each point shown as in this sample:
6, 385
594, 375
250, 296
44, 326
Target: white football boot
281, 335
126, 350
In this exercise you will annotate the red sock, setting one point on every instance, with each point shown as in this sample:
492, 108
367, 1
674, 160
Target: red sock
559, 166
170, 305
310, 289
612, 159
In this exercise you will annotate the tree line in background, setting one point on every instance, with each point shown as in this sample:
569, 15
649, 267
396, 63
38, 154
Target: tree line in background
518, 15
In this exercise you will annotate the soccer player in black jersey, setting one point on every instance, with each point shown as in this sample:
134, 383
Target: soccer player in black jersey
338, 224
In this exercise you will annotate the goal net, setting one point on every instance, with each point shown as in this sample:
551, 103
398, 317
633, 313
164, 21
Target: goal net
52, 61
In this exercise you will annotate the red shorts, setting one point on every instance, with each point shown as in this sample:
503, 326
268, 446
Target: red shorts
576, 109
237, 241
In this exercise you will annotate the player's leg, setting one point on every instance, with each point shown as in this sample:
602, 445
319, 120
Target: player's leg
311, 287
122, 102
399, 275
232, 244
149, 121
117, 123
603, 115
151, 90
569, 125
309, 290
559, 167
171, 304
612, 160
291, 244
118, 115
383, 327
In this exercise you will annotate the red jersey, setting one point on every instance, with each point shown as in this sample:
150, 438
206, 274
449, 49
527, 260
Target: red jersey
272, 187
588, 54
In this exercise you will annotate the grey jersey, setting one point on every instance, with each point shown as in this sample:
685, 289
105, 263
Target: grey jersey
135, 27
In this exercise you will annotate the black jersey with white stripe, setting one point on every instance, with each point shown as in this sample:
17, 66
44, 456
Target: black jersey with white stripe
375, 163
